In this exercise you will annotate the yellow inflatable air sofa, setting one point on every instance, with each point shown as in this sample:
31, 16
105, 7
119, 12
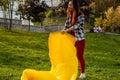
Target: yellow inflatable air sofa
64, 63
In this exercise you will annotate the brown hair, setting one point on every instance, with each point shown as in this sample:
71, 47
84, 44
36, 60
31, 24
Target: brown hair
75, 11
73, 18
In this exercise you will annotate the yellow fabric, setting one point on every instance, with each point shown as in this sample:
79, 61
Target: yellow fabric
63, 59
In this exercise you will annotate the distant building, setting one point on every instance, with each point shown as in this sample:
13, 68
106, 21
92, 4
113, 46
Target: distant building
52, 3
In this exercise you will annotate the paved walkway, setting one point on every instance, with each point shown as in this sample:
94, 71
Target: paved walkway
111, 33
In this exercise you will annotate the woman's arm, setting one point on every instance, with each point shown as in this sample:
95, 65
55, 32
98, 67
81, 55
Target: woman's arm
79, 24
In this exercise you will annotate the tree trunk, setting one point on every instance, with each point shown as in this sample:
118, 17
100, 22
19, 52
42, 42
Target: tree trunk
118, 29
29, 24
10, 14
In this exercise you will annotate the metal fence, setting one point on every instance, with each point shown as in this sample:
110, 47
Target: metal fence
17, 24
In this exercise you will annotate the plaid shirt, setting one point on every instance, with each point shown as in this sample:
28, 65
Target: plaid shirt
78, 27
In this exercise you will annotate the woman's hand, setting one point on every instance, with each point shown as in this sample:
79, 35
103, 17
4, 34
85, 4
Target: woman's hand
63, 31
67, 30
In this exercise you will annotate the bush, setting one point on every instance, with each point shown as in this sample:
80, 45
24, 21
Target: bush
50, 13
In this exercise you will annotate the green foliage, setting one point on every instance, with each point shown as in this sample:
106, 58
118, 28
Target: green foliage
112, 20
106, 25
109, 10
33, 10
116, 19
4, 3
98, 21
36, 23
50, 13
20, 50
103, 5
54, 21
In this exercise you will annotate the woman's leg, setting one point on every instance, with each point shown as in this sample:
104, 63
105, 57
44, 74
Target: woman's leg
80, 54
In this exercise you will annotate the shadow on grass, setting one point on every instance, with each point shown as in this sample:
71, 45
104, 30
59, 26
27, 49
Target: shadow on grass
88, 78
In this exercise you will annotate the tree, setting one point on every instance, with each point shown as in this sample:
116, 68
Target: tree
4, 7
10, 13
113, 18
104, 24
7, 5
103, 5
33, 10
116, 19
110, 17
98, 21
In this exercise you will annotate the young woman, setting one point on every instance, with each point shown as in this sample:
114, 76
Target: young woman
75, 26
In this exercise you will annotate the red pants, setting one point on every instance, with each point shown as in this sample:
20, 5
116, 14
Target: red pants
80, 52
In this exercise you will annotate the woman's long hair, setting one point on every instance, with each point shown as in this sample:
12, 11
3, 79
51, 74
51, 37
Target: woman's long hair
75, 12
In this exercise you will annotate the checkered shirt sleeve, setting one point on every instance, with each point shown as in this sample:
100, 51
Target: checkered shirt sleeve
78, 27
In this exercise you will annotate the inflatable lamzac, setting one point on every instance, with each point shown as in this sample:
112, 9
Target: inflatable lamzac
64, 63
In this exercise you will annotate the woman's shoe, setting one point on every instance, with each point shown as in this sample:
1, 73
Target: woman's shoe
82, 75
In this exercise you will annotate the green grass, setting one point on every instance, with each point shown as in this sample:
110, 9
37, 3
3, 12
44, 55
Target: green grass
20, 50
102, 56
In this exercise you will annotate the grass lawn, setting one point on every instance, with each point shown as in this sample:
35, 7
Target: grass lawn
20, 50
